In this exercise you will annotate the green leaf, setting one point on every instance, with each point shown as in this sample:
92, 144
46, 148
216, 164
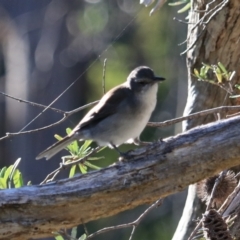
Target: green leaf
3, 183
102, 148
83, 237
95, 158
218, 74
82, 168
85, 146
58, 137
68, 130
14, 168
72, 171
74, 232
222, 68
212, 81
185, 8
207, 65
7, 174
2, 172
92, 165
231, 75
202, 72
177, 3
85, 152
59, 237
17, 179
73, 147
236, 86
196, 72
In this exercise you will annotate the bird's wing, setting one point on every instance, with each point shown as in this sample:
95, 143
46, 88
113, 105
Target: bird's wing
107, 106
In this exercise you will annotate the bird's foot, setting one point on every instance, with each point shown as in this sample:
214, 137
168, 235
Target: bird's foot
124, 156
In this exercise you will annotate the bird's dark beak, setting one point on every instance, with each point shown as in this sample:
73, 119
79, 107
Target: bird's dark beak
158, 78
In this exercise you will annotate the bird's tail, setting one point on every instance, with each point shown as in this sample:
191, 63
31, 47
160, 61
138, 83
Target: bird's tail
56, 147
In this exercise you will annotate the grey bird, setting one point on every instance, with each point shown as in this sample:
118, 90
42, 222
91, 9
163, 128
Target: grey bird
119, 117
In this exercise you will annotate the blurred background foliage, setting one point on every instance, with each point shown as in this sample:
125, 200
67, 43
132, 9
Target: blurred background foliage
46, 45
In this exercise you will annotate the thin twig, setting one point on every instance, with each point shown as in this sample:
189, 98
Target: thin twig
195, 230
82, 160
36, 130
181, 21
229, 199
218, 9
51, 176
192, 116
192, 45
66, 115
32, 103
216, 183
69, 113
56, 171
133, 224
150, 124
204, 22
104, 73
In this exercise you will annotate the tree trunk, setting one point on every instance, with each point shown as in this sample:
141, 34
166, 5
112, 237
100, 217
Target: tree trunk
218, 42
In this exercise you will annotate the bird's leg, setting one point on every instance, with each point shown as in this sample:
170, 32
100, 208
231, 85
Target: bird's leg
138, 142
114, 146
122, 154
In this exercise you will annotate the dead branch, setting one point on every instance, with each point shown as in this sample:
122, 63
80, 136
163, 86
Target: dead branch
155, 171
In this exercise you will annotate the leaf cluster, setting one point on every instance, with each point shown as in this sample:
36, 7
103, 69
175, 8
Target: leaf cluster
11, 177
78, 152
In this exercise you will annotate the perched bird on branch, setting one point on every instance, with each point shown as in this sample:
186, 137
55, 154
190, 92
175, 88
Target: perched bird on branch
119, 117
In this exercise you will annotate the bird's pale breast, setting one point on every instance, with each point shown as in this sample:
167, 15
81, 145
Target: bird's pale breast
111, 130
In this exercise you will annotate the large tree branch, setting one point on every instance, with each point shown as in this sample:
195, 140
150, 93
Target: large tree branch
155, 171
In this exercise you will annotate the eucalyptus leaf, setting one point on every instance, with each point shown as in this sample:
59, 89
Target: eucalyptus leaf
3, 183
2, 172
224, 70
95, 158
85, 145
58, 137
185, 8
74, 232
59, 237
218, 74
17, 179
196, 73
14, 168
72, 171
92, 165
7, 174
83, 237
68, 130
82, 168
177, 3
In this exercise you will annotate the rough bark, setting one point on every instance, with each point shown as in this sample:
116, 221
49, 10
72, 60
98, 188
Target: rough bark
219, 42
158, 170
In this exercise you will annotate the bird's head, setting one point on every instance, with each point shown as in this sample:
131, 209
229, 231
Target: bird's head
143, 78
